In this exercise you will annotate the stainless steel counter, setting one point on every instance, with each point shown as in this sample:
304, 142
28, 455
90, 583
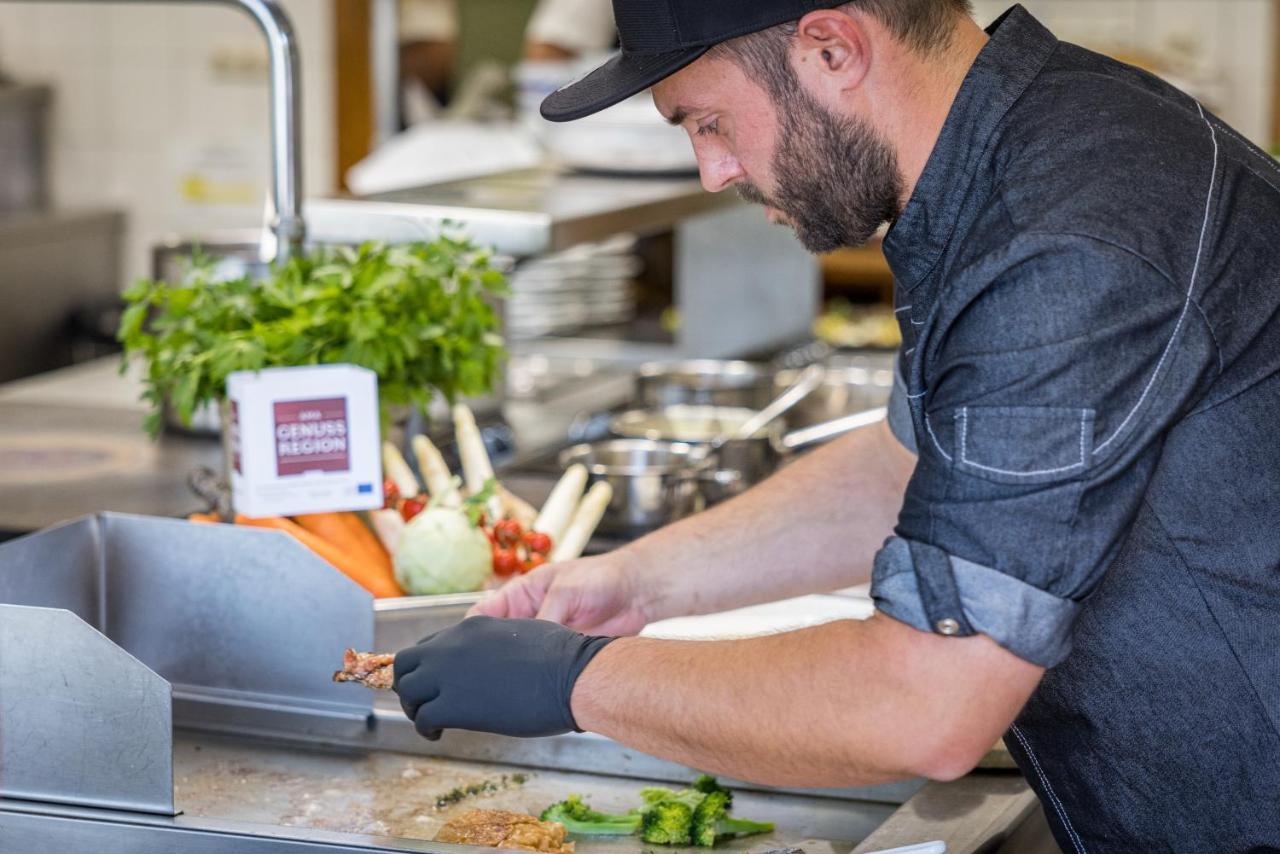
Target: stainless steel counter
521, 213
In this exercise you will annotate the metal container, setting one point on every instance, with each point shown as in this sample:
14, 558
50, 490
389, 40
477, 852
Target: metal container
24, 135
845, 390
705, 382
653, 481
753, 459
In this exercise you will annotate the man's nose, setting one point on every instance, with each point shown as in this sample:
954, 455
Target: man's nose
718, 170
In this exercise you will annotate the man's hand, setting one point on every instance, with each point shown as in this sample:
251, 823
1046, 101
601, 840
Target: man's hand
594, 595
511, 677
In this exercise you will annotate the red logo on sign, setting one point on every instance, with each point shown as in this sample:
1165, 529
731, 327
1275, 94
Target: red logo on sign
311, 435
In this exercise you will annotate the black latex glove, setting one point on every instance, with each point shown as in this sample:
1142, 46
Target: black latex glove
511, 677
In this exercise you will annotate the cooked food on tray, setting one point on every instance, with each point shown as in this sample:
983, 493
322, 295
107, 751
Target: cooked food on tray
370, 669
502, 829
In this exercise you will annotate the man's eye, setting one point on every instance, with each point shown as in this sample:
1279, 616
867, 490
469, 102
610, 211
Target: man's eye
709, 127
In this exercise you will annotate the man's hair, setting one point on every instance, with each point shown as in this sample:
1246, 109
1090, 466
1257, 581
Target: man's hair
924, 25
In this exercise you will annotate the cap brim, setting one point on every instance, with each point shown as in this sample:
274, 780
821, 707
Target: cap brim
618, 79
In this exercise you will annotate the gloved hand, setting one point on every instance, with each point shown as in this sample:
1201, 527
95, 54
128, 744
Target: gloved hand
511, 677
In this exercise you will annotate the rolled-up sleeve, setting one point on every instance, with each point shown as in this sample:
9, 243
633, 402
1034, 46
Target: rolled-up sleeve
1041, 386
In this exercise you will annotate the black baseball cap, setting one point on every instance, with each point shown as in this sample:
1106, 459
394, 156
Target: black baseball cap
659, 37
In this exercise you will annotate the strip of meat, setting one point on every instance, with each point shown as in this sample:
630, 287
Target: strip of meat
502, 829
370, 669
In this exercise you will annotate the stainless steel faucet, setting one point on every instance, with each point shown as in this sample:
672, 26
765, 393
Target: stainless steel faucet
286, 123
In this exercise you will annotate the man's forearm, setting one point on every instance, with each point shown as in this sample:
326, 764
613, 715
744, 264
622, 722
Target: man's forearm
846, 704
815, 526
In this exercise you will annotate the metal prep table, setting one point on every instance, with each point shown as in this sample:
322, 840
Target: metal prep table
161, 680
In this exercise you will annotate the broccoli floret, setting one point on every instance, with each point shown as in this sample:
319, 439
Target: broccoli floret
708, 784
653, 794
710, 810
666, 822
711, 821
580, 820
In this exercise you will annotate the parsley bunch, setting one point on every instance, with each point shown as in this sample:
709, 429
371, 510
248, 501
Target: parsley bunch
418, 315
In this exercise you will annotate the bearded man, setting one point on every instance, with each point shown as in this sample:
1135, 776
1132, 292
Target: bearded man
1071, 520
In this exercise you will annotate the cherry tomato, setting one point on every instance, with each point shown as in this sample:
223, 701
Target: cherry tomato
535, 560
412, 507
508, 533
537, 542
390, 493
506, 561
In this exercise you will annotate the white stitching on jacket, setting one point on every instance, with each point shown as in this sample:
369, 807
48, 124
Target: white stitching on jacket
936, 443
963, 416
1195, 270
902, 309
1048, 789
1250, 147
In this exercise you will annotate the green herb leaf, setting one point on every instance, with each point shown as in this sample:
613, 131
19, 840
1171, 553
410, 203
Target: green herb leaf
419, 315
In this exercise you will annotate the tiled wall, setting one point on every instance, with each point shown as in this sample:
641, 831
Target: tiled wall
1225, 46
161, 109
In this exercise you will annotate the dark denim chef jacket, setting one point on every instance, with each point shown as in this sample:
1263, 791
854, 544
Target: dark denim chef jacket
1088, 285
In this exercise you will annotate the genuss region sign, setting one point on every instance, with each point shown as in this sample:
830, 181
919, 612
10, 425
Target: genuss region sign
305, 440
311, 435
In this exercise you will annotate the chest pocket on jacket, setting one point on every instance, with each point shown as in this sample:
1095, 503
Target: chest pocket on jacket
1023, 444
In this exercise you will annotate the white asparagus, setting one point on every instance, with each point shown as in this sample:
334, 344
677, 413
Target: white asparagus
477, 470
388, 526
515, 507
563, 500
435, 471
397, 468
584, 522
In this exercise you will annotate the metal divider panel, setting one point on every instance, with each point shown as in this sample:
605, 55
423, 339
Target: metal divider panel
81, 721
59, 567
238, 617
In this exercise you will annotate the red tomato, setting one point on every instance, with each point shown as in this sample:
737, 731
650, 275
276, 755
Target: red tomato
390, 493
507, 532
535, 560
506, 561
412, 507
537, 542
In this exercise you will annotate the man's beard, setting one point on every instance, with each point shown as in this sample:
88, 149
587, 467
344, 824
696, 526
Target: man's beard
837, 178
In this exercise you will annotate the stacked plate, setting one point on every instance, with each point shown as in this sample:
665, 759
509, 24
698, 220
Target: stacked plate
587, 285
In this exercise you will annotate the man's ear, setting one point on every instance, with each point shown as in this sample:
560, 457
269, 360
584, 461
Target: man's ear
832, 52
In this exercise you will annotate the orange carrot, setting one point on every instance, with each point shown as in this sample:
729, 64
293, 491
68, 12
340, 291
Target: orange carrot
347, 532
203, 517
362, 571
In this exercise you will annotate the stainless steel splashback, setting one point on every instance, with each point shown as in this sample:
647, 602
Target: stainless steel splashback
82, 722
232, 617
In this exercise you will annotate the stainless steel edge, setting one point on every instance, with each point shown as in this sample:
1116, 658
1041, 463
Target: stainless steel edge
515, 233
44, 827
59, 567
233, 609
81, 720
401, 623
584, 753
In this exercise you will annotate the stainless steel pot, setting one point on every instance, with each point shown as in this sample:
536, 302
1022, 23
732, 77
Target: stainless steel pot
753, 459
845, 390
653, 481
704, 382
